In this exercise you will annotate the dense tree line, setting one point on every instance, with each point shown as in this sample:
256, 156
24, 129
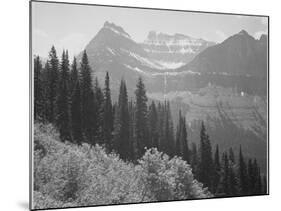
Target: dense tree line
70, 97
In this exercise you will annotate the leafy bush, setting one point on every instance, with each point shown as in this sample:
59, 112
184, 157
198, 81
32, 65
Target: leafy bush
67, 175
169, 179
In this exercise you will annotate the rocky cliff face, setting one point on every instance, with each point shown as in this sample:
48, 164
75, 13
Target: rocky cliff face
173, 51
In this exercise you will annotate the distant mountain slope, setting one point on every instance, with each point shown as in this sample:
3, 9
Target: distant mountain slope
240, 54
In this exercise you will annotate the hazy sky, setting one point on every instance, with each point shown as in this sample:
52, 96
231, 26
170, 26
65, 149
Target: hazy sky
73, 26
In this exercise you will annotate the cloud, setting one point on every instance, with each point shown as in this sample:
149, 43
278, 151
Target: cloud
221, 35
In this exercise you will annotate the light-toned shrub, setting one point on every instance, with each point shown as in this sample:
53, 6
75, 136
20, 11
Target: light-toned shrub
169, 179
67, 175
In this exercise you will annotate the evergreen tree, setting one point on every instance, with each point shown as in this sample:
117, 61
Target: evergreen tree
217, 169
171, 135
255, 178
181, 139
39, 113
194, 159
153, 123
99, 99
74, 75
107, 114
242, 173
233, 184
133, 147
206, 161
44, 90
52, 78
121, 125
87, 101
231, 155
168, 142
141, 129
160, 127
225, 177
251, 177
259, 183
76, 108
63, 118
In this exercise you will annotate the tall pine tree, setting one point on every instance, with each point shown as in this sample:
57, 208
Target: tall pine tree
39, 113
63, 118
74, 75
194, 159
52, 78
167, 143
122, 142
181, 139
225, 178
141, 129
98, 112
217, 170
206, 161
242, 174
87, 101
152, 126
107, 114
76, 108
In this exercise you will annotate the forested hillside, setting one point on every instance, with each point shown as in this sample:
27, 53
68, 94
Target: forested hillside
90, 150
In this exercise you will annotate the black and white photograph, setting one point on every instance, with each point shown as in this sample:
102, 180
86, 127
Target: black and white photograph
138, 105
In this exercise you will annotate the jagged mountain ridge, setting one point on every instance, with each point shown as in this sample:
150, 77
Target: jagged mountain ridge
173, 50
113, 45
113, 50
160, 54
228, 64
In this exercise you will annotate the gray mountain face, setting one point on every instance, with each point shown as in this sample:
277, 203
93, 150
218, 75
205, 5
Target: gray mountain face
173, 51
240, 54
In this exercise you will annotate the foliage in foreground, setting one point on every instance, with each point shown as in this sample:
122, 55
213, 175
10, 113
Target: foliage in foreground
67, 175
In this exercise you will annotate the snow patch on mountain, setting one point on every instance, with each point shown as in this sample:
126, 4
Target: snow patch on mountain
170, 65
144, 61
111, 50
187, 72
155, 64
135, 69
